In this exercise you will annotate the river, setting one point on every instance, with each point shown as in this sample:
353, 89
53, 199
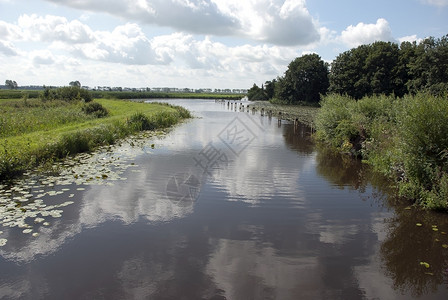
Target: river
228, 205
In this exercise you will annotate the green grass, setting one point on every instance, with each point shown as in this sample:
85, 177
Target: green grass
405, 139
18, 94
34, 132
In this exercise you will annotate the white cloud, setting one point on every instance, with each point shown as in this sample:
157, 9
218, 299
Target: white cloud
362, 33
181, 56
281, 22
7, 49
274, 21
9, 31
410, 38
54, 28
439, 3
125, 44
43, 57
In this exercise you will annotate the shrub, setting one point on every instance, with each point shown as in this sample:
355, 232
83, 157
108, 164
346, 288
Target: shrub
334, 121
405, 139
66, 93
140, 121
424, 144
96, 109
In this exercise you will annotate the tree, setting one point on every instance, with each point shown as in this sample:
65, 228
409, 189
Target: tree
75, 83
305, 79
367, 70
256, 93
406, 55
11, 84
269, 88
429, 69
380, 68
346, 75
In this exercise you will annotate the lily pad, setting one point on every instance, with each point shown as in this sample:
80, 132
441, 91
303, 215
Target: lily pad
39, 220
419, 224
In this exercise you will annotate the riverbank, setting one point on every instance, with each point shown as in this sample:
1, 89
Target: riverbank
403, 138
305, 114
36, 132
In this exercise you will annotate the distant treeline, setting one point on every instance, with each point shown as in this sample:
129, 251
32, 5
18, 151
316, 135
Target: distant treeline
379, 68
17, 94
163, 95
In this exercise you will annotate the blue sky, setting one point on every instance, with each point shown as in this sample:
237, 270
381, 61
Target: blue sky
194, 43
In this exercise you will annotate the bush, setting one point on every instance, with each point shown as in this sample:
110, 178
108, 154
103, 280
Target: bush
96, 109
140, 121
334, 121
66, 93
405, 139
424, 145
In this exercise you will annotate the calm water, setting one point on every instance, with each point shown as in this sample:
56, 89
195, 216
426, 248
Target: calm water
229, 205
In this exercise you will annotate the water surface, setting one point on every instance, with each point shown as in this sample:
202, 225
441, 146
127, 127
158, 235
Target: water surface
229, 205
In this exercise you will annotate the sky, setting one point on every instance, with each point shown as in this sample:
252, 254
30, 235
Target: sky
194, 43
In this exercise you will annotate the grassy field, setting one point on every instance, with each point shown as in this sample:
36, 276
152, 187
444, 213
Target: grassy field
34, 131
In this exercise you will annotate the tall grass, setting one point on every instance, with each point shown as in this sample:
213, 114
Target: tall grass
51, 130
24, 116
406, 139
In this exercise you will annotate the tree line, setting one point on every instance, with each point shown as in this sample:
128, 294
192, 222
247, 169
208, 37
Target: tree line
378, 68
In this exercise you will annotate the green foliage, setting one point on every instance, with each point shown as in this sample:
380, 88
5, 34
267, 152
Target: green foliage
424, 143
11, 84
335, 122
386, 68
305, 80
75, 83
66, 93
429, 66
404, 138
366, 70
54, 129
256, 93
140, 121
17, 94
96, 109
21, 117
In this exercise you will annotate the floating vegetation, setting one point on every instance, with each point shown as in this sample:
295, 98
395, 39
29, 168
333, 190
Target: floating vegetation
28, 203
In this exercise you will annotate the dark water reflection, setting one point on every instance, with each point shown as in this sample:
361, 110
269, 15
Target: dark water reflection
272, 218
